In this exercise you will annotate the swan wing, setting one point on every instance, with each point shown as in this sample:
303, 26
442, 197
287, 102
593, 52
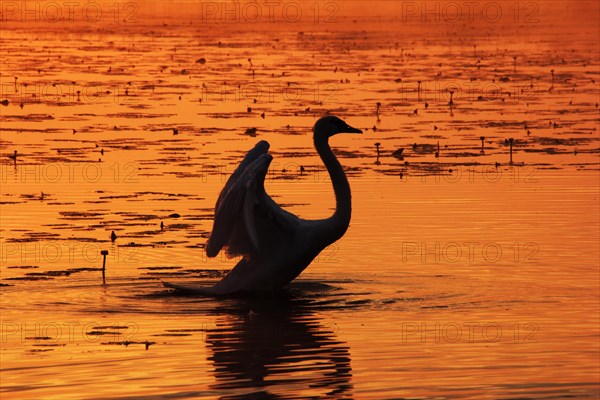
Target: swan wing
260, 148
247, 221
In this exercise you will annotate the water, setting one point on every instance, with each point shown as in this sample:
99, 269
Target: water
461, 276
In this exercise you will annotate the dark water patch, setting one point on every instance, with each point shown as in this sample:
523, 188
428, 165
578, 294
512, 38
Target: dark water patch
181, 174
424, 148
293, 154
123, 196
29, 278
49, 273
28, 117
133, 216
433, 137
103, 332
34, 237
169, 243
133, 244
147, 174
179, 148
126, 343
23, 266
103, 327
404, 300
200, 217
359, 302
162, 161
165, 194
548, 150
208, 273
170, 273
83, 269
287, 177
146, 233
180, 226
228, 115
30, 130
173, 334
160, 268
462, 154
81, 215
34, 196
354, 171
72, 151
138, 115
550, 141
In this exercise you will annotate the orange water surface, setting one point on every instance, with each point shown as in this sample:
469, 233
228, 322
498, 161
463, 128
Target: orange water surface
464, 274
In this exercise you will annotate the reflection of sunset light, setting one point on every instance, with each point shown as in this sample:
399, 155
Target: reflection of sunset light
460, 274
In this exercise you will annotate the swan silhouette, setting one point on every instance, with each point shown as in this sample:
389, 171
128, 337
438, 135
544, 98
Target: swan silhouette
275, 245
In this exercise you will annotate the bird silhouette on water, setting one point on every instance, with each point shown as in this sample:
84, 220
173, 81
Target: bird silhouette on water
275, 245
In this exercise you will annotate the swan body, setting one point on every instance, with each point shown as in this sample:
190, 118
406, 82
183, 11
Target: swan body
275, 245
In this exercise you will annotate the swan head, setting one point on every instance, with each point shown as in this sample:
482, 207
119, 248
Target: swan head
332, 125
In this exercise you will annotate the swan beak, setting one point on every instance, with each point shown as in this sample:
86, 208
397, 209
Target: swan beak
350, 129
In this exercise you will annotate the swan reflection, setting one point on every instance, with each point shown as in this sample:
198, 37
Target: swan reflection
274, 347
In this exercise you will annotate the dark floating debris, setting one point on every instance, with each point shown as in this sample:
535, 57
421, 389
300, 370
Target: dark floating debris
126, 343
398, 153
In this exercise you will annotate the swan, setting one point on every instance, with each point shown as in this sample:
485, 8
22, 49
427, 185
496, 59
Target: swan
275, 245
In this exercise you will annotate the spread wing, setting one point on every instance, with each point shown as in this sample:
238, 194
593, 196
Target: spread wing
260, 148
247, 221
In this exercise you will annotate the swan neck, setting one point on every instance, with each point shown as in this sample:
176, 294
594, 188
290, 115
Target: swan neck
336, 225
